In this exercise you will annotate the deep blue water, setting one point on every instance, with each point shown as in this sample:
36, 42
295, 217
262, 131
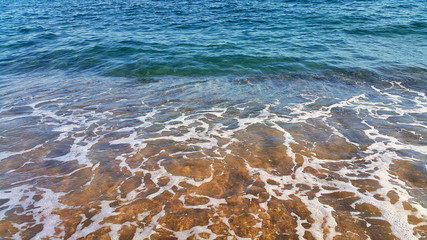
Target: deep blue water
201, 38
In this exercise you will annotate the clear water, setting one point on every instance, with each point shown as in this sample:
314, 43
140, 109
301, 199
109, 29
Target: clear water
213, 119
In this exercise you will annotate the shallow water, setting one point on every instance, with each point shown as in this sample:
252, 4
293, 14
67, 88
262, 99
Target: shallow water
213, 120
273, 157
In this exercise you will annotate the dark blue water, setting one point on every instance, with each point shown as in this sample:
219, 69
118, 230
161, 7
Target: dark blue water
213, 119
199, 38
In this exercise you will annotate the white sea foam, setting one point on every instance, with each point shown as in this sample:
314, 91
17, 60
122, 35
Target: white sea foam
41, 210
206, 133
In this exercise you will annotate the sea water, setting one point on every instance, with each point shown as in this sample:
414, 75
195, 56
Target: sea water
213, 119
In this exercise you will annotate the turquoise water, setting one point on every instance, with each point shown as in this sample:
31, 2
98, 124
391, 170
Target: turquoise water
202, 38
213, 119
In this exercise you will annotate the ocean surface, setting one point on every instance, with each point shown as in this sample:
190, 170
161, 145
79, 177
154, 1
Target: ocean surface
213, 119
